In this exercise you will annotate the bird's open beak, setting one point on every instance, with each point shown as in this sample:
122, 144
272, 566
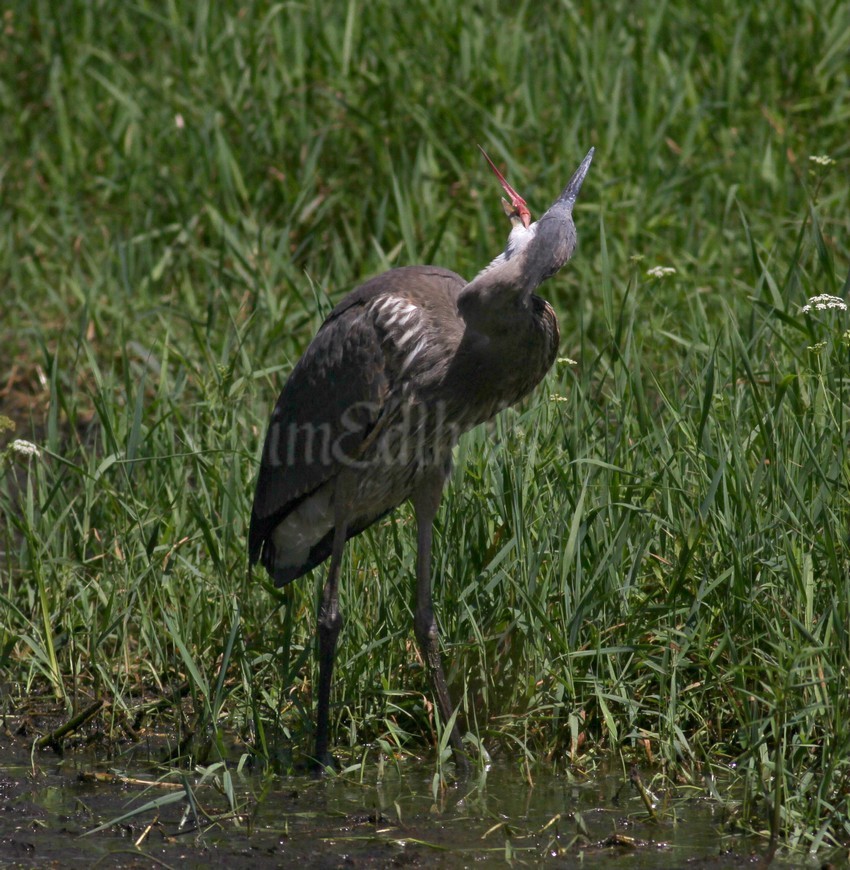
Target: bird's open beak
518, 205
570, 193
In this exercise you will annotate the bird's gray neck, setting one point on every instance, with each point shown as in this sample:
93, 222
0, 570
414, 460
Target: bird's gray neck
494, 289
502, 283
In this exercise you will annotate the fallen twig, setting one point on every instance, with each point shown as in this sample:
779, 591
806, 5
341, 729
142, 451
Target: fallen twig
52, 738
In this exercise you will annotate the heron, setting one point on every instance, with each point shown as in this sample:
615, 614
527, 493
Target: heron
369, 415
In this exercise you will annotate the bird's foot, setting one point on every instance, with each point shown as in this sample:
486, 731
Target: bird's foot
323, 764
463, 765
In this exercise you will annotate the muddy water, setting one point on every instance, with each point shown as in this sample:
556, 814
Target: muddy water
371, 817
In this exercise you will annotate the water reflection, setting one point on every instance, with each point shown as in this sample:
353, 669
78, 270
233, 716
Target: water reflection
375, 815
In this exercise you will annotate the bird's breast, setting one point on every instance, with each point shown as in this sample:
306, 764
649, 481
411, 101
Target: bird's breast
496, 368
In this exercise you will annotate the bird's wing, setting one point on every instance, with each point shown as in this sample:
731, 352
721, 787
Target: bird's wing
332, 399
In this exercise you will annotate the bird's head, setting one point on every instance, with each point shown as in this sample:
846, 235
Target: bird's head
535, 250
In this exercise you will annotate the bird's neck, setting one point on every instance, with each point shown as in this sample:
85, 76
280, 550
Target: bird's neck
501, 283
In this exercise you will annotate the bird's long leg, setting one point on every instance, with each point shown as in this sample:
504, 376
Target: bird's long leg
329, 625
426, 500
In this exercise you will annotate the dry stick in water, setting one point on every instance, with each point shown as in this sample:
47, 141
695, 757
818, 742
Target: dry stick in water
53, 738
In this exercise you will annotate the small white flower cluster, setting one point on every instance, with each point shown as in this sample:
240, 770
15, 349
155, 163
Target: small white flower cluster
566, 361
24, 448
660, 271
821, 159
556, 397
823, 302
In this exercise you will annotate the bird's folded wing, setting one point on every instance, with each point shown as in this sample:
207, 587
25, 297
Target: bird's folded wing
329, 405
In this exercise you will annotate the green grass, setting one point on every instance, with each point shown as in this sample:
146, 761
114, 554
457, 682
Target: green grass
649, 557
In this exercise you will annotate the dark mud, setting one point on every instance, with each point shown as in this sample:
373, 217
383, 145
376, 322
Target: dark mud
75, 812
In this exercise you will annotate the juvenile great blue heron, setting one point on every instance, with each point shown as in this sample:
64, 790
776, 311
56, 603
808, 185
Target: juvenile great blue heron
369, 415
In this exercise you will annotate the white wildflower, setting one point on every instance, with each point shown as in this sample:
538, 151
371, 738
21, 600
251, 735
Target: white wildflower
25, 448
660, 271
179, 122
821, 159
817, 348
555, 397
566, 361
823, 302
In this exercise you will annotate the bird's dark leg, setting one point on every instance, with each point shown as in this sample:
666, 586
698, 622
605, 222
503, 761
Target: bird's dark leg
329, 625
426, 500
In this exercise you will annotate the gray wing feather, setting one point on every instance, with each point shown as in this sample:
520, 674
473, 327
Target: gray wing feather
327, 407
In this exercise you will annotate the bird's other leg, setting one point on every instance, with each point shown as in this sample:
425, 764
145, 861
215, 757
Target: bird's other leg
329, 625
426, 500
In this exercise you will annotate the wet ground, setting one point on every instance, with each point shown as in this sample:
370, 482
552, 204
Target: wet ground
75, 812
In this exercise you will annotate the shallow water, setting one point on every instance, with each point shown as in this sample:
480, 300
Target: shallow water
490, 818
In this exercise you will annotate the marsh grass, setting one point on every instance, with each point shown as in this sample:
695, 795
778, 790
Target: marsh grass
649, 557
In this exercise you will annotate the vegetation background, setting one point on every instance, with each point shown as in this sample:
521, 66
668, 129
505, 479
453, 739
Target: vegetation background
649, 557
